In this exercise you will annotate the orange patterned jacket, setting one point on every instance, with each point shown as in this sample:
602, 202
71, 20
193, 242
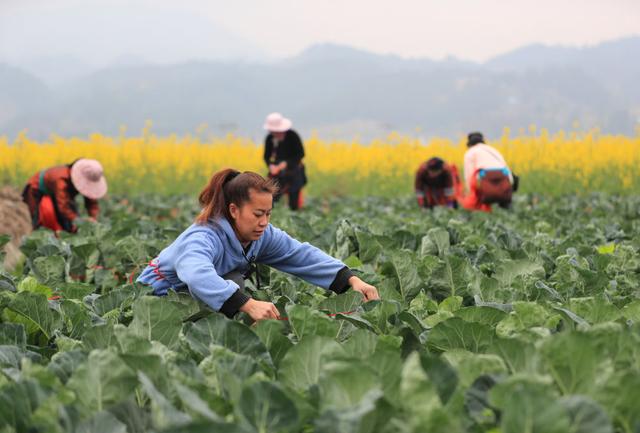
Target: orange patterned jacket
57, 182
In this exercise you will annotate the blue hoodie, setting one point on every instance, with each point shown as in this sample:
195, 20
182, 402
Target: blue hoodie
202, 253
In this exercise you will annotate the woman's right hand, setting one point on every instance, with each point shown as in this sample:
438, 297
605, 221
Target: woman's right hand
260, 310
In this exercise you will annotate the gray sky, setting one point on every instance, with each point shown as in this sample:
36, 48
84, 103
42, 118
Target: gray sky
102, 31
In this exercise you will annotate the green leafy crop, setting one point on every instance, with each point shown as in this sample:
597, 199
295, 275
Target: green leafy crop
516, 321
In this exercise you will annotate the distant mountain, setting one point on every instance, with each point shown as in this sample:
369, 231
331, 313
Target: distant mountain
543, 56
343, 91
20, 93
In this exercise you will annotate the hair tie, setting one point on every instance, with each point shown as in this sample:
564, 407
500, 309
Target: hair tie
231, 176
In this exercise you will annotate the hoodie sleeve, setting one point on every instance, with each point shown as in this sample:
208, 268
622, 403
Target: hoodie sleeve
304, 261
194, 267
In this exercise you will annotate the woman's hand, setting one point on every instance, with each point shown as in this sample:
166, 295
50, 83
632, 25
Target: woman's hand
369, 292
273, 170
260, 310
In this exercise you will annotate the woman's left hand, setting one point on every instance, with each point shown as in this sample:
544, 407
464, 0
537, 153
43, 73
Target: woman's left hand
369, 292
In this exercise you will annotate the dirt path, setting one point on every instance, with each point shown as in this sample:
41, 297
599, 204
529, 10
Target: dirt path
14, 221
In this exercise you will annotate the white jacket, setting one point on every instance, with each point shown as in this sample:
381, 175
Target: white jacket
478, 157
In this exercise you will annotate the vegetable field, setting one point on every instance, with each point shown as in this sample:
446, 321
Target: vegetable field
521, 321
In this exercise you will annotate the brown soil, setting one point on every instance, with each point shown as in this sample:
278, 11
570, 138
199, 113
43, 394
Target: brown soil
15, 221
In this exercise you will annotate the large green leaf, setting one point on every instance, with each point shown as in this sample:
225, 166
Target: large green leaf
11, 356
620, 396
205, 427
481, 314
102, 422
158, 319
63, 364
163, 411
368, 416
442, 374
509, 270
455, 333
368, 246
103, 380
386, 362
435, 242
7, 281
99, 337
595, 309
217, 329
307, 321
519, 356
32, 310
574, 361
18, 401
13, 334
586, 415
529, 405
50, 270
300, 368
265, 408
272, 335
194, 404
75, 316
344, 384
117, 299
528, 316
74, 290
419, 396
31, 284
227, 371
378, 314
343, 303
469, 366
361, 344
345, 243
451, 277
403, 270
476, 400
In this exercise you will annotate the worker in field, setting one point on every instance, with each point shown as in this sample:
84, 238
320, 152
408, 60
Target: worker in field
437, 184
50, 194
213, 257
283, 153
487, 177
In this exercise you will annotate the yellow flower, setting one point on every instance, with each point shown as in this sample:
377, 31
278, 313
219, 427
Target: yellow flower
548, 163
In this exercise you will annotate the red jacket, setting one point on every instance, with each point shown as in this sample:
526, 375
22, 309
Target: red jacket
440, 191
57, 182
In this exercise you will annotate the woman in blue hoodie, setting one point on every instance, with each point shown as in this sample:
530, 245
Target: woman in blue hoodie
212, 257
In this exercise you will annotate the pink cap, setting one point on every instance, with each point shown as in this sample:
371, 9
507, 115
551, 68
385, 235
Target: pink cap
88, 178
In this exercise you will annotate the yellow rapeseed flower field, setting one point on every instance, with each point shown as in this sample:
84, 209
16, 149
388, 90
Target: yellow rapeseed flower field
557, 164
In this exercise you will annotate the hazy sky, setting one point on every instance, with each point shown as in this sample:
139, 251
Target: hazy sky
102, 31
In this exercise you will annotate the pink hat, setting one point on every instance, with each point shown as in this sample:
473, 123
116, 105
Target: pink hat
275, 122
87, 177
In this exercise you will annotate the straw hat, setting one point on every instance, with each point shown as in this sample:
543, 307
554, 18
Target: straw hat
88, 178
276, 122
